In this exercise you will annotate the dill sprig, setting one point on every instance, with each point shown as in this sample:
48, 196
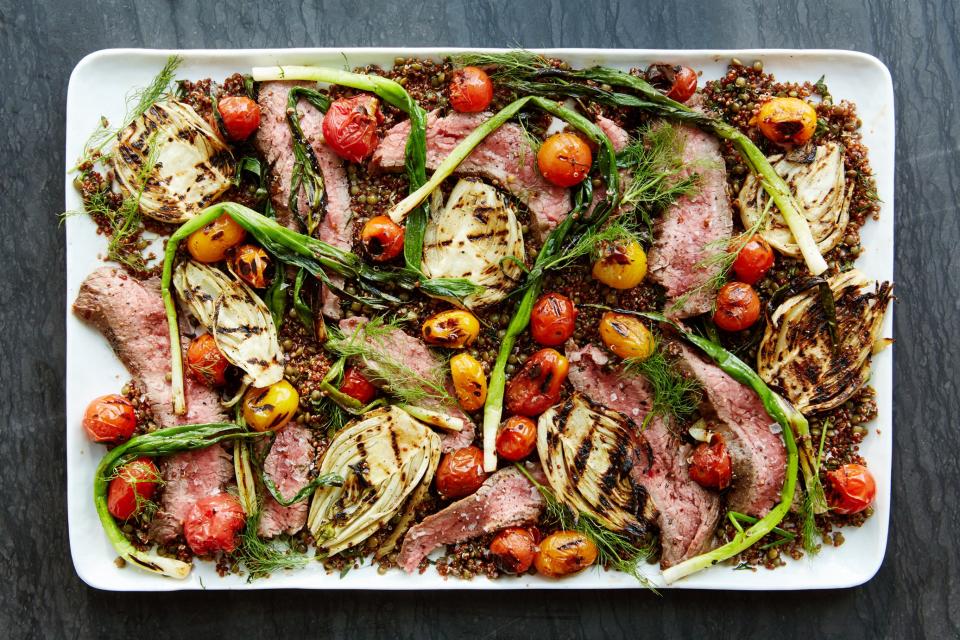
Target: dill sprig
809, 529
675, 397
618, 232
262, 557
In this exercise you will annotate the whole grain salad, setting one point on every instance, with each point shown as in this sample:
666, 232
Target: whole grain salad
487, 315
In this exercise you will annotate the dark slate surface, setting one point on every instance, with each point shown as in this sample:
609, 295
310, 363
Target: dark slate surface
915, 594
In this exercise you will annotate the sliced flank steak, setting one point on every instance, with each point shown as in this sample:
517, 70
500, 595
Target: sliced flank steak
288, 466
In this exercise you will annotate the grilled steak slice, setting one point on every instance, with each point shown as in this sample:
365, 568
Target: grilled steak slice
288, 466
756, 450
188, 477
505, 499
688, 513
130, 314
397, 346
618, 137
503, 156
692, 229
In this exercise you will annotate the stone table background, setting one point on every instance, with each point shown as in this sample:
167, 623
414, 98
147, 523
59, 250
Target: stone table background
915, 594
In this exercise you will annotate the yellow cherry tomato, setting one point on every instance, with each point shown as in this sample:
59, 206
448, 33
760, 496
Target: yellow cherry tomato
787, 120
626, 336
454, 329
622, 265
211, 243
563, 553
250, 263
469, 381
270, 408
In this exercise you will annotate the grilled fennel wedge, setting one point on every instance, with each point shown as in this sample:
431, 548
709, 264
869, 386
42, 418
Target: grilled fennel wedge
382, 457
188, 170
585, 451
798, 356
476, 236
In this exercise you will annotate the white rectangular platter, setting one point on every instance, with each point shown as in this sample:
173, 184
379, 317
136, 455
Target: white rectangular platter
98, 87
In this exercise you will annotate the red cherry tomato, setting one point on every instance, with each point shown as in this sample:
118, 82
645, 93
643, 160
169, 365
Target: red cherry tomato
110, 418
564, 159
537, 386
677, 81
517, 438
470, 90
754, 260
738, 307
382, 238
460, 473
135, 483
710, 466
350, 126
206, 362
852, 489
240, 116
356, 385
513, 549
213, 524
553, 319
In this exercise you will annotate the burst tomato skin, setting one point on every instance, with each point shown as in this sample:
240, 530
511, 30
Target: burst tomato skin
677, 81
212, 242
517, 438
536, 387
251, 264
787, 121
213, 524
206, 361
470, 90
135, 482
738, 307
852, 489
513, 549
240, 116
356, 385
382, 238
460, 473
564, 159
753, 260
110, 418
553, 319
710, 466
350, 127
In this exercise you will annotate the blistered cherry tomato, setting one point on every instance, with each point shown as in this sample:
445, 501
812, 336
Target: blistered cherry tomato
206, 362
251, 264
564, 159
213, 524
553, 319
469, 381
134, 484
517, 438
621, 265
754, 260
677, 81
470, 90
270, 408
787, 121
212, 242
710, 465
460, 473
738, 307
240, 116
453, 329
626, 336
350, 126
852, 489
513, 549
356, 385
382, 238
563, 553
536, 387
110, 418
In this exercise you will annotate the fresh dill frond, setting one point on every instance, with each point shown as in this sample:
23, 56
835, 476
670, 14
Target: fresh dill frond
675, 397
810, 531
517, 63
262, 557
658, 176
591, 244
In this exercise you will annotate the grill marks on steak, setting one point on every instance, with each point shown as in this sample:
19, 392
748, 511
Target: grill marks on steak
288, 465
688, 513
758, 454
692, 229
504, 156
505, 499
399, 347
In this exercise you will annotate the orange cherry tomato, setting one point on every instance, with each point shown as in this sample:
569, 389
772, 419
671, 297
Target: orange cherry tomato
787, 121
212, 242
382, 238
738, 307
471, 90
206, 362
553, 319
513, 549
356, 385
852, 489
565, 552
240, 116
564, 159
110, 418
251, 264
213, 524
517, 438
537, 386
135, 483
460, 473
677, 81
710, 465
754, 260
350, 126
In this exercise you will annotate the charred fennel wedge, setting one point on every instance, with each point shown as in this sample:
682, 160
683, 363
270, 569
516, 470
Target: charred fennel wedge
382, 457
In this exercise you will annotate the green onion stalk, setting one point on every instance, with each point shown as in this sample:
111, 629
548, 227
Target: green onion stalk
159, 443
